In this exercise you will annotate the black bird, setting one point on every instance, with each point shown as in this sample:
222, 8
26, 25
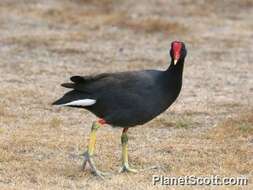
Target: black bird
126, 99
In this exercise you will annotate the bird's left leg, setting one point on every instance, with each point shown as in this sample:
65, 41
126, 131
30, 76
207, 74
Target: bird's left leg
88, 155
124, 141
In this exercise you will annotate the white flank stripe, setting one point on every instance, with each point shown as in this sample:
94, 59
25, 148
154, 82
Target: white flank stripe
84, 102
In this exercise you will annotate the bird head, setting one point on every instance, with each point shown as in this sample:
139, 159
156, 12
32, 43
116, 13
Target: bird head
177, 51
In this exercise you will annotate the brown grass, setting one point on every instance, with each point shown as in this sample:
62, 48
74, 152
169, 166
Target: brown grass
2, 111
55, 122
241, 127
36, 40
216, 7
152, 25
208, 131
102, 3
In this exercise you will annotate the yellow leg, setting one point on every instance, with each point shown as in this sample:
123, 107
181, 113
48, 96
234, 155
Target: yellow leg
124, 152
92, 141
89, 153
124, 141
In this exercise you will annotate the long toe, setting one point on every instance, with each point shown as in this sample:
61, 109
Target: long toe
84, 165
100, 174
150, 168
88, 160
127, 169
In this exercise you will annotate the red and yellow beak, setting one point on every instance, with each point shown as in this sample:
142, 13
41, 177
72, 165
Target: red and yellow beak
176, 48
176, 57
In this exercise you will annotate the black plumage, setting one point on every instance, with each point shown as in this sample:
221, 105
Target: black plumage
127, 99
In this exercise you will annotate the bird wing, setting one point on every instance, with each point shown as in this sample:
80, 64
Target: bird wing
78, 81
90, 78
126, 81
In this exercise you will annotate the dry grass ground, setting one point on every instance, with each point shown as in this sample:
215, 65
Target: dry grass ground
208, 131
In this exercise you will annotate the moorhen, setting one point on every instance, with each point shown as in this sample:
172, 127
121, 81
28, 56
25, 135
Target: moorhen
125, 99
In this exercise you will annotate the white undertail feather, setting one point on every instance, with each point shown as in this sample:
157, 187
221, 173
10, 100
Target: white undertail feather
83, 102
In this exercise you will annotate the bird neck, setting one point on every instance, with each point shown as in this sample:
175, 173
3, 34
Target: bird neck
173, 78
176, 70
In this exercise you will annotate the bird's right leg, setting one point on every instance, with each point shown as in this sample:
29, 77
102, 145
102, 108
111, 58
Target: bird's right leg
88, 155
124, 141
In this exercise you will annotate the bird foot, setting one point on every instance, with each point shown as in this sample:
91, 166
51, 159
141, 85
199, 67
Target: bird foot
89, 160
126, 168
150, 168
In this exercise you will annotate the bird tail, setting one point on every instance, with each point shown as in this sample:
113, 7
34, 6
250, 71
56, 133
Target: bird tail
68, 85
75, 98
